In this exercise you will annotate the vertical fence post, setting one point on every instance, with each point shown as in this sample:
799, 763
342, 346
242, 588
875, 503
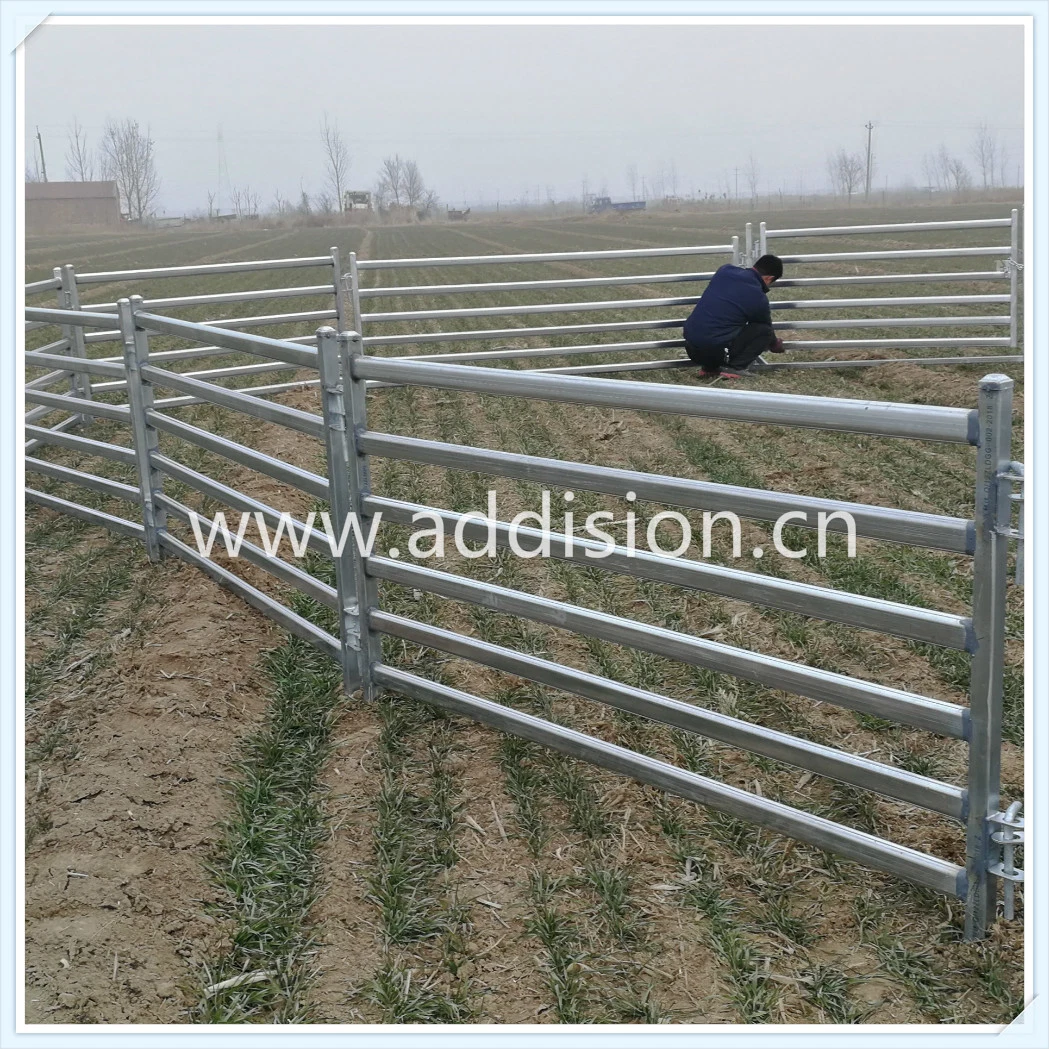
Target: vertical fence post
350, 348
347, 481
735, 251
144, 434
990, 578
762, 241
336, 280
69, 299
354, 286
1014, 267
748, 257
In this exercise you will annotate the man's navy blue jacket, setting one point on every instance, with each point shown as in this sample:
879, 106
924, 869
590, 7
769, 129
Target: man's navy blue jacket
733, 298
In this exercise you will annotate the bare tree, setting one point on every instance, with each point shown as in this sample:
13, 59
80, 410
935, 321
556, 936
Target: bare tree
127, 155
211, 203
305, 205
336, 158
960, 178
752, 174
80, 164
985, 152
412, 186
237, 198
325, 203
252, 200
631, 177
280, 204
846, 172
391, 180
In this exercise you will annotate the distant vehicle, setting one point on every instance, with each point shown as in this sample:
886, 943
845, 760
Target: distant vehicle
599, 204
458, 216
356, 200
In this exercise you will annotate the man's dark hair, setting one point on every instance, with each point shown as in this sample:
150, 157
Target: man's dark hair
770, 266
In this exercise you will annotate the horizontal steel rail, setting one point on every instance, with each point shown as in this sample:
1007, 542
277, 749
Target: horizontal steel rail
275, 349
814, 757
878, 418
85, 445
918, 867
66, 424
908, 253
543, 351
999, 359
932, 531
894, 343
310, 483
892, 278
284, 617
990, 320
194, 352
231, 497
55, 347
261, 321
206, 269
899, 300
689, 300
840, 690
837, 606
890, 227
84, 318
224, 296
252, 391
397, 290
45, 382
72, 364
117, 412
85, 480
39, 286
246, 403
96, 517
523, 333
209, 374
275, 566
35, 414
548, 256
524, 311
679, 362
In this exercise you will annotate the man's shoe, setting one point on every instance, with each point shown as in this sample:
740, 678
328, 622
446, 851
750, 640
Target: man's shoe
732, 374
709, 373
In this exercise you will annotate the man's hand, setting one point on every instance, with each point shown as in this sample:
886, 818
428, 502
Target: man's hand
777, 346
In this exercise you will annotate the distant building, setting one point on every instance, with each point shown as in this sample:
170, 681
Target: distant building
51, 207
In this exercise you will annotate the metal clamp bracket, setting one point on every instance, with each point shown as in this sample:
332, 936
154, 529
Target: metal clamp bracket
1014, 477
1009, 838
1005, 265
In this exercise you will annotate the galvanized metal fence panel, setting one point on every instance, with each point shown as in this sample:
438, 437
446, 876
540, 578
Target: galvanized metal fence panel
338, 364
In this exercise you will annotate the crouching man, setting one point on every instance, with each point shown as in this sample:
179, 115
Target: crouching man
731, 325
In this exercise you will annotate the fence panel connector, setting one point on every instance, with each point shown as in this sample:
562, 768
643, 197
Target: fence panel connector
347, 483
144, 434
990, 578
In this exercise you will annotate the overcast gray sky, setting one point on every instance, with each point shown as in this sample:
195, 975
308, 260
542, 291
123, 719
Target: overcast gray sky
504, 110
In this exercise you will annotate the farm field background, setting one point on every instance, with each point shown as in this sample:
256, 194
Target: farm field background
202, 803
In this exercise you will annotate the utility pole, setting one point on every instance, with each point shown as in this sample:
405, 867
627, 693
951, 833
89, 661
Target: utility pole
736, 195
40, 143
867, 186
